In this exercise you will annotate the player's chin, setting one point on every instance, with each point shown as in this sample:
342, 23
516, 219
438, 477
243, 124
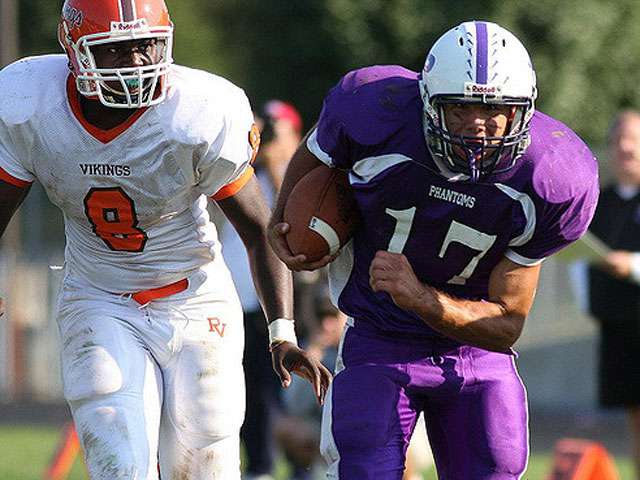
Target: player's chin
116, 89
484, 150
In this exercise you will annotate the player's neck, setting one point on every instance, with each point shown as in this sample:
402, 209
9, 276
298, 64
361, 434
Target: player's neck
103, 117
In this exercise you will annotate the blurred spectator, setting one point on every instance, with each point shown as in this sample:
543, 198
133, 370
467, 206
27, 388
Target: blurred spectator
615, 283
281, 134
281, 127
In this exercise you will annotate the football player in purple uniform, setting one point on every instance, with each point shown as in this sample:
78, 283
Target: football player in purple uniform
464, 190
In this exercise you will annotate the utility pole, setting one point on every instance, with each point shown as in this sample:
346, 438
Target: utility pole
11, 334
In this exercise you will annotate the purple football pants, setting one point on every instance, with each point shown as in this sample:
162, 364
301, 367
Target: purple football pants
473, 400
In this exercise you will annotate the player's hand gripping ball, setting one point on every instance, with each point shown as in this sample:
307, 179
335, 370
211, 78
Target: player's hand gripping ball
322, 213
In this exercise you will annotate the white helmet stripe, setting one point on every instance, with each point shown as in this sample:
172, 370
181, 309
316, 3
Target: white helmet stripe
127, 10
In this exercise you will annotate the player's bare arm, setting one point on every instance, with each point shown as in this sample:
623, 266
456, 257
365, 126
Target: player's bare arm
494, 324
10, 199
302, 162
247, 211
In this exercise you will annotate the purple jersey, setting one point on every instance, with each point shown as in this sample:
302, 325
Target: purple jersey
453, 233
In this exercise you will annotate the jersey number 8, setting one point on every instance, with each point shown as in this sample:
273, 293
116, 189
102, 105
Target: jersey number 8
112, 216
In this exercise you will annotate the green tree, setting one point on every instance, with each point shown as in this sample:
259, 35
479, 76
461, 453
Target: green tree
38, 20
587, 55
586, 52
279, 49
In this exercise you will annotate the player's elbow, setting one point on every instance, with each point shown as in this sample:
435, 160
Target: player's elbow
500, 345
255, 238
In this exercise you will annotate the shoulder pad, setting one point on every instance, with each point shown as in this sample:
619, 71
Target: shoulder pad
199, 104
31, 85
563, 166
372, 103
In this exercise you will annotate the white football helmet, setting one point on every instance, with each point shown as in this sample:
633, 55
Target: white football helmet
477, 62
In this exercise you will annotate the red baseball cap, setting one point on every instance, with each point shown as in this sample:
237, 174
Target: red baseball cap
279, 110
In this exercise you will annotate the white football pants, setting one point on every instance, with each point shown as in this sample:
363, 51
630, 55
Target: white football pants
156, 385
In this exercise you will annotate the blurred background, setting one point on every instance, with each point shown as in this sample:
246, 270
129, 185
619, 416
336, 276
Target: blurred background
587, 57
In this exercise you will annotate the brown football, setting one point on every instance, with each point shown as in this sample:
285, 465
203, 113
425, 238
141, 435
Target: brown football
322, 213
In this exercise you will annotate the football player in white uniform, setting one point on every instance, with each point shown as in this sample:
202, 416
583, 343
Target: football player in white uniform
130, 147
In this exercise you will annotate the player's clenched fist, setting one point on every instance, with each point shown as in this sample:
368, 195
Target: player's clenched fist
392, 273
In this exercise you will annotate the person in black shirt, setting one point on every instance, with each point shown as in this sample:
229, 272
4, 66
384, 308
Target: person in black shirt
615, 282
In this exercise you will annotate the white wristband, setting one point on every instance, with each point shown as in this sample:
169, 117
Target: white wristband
634, 274
282, 330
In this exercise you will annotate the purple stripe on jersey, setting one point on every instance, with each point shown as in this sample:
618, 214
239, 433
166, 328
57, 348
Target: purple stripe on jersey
128, 9
482, 52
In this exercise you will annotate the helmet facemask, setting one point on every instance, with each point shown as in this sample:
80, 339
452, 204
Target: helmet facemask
124, 87
472, 156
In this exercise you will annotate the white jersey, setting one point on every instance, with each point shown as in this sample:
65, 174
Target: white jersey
134, 197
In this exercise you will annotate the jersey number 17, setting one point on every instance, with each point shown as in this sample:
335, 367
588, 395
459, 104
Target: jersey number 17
458, 232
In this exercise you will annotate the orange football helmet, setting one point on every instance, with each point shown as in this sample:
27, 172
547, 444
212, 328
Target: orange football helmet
87, 23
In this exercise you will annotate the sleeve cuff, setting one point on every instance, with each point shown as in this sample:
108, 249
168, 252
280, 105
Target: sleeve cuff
234, 187
6, 177
519, 259
314, 147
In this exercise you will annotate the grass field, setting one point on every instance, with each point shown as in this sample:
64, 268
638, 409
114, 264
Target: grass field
25, 451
